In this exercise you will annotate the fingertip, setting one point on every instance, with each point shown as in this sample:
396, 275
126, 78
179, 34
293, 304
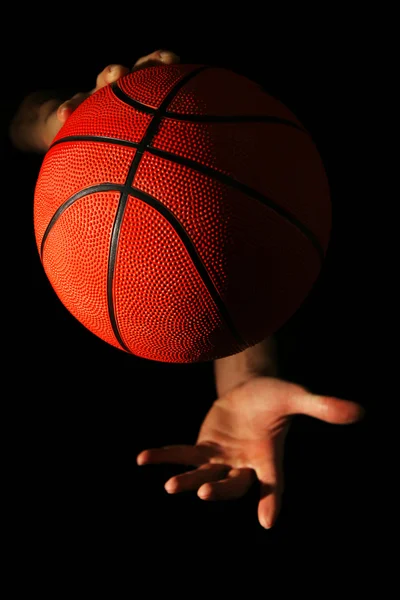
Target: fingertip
170, 487
111, 68
266, 522
158, 57
114, 72
270, 502
63, 113
348, 412
141, 459
168, 57
204, 492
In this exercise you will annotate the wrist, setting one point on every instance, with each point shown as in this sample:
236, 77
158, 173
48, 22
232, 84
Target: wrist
259, 360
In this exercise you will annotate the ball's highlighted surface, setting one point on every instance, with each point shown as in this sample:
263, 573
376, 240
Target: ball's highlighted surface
182, 214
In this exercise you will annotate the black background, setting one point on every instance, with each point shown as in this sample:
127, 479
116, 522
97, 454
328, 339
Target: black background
87, 409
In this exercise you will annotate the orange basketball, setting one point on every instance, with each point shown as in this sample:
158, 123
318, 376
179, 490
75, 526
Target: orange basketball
182, 214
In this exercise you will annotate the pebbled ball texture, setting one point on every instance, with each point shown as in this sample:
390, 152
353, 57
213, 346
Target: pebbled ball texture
182, 214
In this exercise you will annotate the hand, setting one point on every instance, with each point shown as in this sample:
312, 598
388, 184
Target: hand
37, 120
242, 440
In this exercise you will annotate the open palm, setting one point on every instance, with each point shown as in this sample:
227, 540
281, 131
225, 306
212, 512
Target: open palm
242, 440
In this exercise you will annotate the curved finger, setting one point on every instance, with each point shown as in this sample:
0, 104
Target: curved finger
192, 480
269, 504
180, 454
158, 57
236, 484
110, 74
66, 109
271, 478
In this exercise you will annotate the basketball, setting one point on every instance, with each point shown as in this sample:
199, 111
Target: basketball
182, 214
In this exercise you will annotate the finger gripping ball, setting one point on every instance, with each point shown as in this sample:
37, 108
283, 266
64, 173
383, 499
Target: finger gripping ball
182, 214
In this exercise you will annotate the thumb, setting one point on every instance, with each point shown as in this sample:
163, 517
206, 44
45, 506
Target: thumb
326, 408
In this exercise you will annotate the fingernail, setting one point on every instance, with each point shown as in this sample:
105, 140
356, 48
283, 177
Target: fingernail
113, 72
166, 54
204, 493
63, 112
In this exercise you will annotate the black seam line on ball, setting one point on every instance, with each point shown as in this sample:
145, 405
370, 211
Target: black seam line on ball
140, 107
233, 119
225, 179
196, 258
103, 187
143, 145
180, 230
96, 138
126, 99
241, 187
190, 119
